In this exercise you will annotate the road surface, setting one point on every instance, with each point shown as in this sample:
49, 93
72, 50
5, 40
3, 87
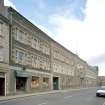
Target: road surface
78, 97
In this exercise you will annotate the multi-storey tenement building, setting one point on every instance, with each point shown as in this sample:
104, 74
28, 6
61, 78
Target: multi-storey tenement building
31, 61
91, 77
101, 80
80, 70
4, 55
30, 55
62, 66
27, 51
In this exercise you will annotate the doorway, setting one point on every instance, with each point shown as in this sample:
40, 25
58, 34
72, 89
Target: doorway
2, 86
55, 83
21, 83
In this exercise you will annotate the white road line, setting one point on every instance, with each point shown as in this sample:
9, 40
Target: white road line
104, 103
43, 103
67, 97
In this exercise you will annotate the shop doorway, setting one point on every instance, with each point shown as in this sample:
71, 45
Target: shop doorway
21, 83
2, 86
55, 83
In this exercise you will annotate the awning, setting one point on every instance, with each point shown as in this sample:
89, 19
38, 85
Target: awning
22, 73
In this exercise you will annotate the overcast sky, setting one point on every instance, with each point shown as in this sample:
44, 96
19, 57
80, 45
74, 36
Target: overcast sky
79, 25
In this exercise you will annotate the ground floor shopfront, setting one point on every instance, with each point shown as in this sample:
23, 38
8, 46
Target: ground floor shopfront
29, 80
91, 82
19, 81
4, 79
62, 81
16, 80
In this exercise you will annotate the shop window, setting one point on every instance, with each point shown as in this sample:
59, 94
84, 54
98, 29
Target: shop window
21, 83
45, 82
35, 82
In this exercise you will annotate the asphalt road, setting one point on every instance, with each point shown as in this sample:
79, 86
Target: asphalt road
79, 97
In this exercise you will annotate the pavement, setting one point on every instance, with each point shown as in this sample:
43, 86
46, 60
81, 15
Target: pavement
3, 98
64, 97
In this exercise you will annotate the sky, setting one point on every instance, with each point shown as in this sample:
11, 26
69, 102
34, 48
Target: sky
79, 25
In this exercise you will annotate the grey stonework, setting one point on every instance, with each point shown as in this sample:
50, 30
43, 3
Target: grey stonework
101, 80
4, 54
29, 52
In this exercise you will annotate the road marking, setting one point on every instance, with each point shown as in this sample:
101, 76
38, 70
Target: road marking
67, 97
43, 103
104, 103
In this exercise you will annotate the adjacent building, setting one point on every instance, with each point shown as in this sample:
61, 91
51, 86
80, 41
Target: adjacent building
4, 55
101, 80
91, 77
62, 66
31, 61
80, 72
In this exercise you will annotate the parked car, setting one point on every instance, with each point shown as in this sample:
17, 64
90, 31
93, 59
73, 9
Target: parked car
100, 91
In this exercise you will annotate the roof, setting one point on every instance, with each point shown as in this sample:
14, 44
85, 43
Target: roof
30, 23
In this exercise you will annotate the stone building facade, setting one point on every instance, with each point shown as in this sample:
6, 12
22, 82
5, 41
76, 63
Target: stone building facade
101, 80
80, 72
91, 78
4, 56
31, 61
30, 56
62, 66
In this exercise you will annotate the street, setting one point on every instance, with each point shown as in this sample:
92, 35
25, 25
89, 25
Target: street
78, 97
